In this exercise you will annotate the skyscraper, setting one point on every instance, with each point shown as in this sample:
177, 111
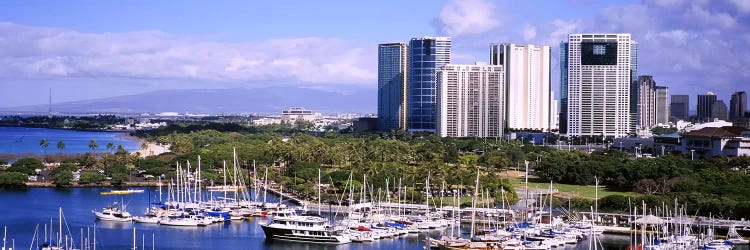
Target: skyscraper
426, 55
392, 83
599, 79
563, 112
737, 105
705, 103
646, 101
719, 110
679, 107
662, 105
527, 85
471, 100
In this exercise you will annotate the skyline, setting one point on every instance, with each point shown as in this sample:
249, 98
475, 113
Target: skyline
113, 49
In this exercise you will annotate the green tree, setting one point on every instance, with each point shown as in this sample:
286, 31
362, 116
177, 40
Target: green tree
119, 178
181, 143
110, 147
13, 179
44, 143
65, 167
91, 177
93, 146
26, 165
63, 179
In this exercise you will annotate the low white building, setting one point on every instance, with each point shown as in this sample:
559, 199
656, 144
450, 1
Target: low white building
292, 114
266, 121
689, 126
710, 142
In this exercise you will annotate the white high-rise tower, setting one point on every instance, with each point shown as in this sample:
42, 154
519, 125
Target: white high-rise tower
599, 76
471, 100
527, 81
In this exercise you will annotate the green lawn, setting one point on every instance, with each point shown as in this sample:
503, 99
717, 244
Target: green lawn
567, 189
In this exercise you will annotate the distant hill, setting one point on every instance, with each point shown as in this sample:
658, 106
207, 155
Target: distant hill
215, 101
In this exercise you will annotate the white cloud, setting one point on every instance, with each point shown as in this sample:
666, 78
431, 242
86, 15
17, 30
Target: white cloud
35, 52
560, 30
668, 3
705, 15
529, 32
467, 17
742, 5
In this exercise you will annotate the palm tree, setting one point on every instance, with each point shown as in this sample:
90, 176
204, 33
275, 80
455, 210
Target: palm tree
93, 146
110, 146
60, 146
144, 147
44, 143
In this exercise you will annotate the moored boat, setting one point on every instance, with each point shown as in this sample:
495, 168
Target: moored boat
310, 229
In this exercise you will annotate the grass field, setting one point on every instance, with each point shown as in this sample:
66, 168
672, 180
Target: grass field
588, 192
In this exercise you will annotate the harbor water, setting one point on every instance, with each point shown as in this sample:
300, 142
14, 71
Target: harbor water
23, 210
19, 140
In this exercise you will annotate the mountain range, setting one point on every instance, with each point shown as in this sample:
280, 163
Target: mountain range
215, 101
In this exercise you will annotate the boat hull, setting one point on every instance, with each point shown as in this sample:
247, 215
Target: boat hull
283, 234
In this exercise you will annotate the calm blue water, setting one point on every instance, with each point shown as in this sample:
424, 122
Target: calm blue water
22, 210
18, 140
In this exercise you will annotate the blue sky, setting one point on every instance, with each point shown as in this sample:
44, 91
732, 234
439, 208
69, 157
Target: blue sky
93, 49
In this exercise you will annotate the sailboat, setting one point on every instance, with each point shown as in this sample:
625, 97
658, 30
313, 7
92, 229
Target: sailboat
62, 242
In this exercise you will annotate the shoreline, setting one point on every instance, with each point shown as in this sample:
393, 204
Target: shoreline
76, 185
71, 129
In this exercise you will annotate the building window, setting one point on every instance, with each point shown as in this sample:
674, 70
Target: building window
599, 49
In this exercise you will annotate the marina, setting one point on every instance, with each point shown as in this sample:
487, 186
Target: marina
77, 204
185, 209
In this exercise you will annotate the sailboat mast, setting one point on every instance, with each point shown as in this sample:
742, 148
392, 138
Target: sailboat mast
474, 206
550, 203
319, 193
526, 186
59, 233
225, 182
255, 182
134, 244
427, 196
235, 185
265, 186
198, 182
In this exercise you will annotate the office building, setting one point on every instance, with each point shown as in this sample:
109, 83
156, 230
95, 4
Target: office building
392, 83
719, 110
296, 113
562, 119
426, 55
662, 105
633, 86
704, 106
646, 99
527, 85
679, 106
738, 105
599, 79
471, 100
555, 113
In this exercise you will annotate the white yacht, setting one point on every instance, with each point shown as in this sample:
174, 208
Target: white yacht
114, 212
310, 229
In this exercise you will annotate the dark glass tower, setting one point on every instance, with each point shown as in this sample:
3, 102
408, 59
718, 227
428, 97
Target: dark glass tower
563, 88
426, 55
391, 86
679, 107
705, 103
737, 105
